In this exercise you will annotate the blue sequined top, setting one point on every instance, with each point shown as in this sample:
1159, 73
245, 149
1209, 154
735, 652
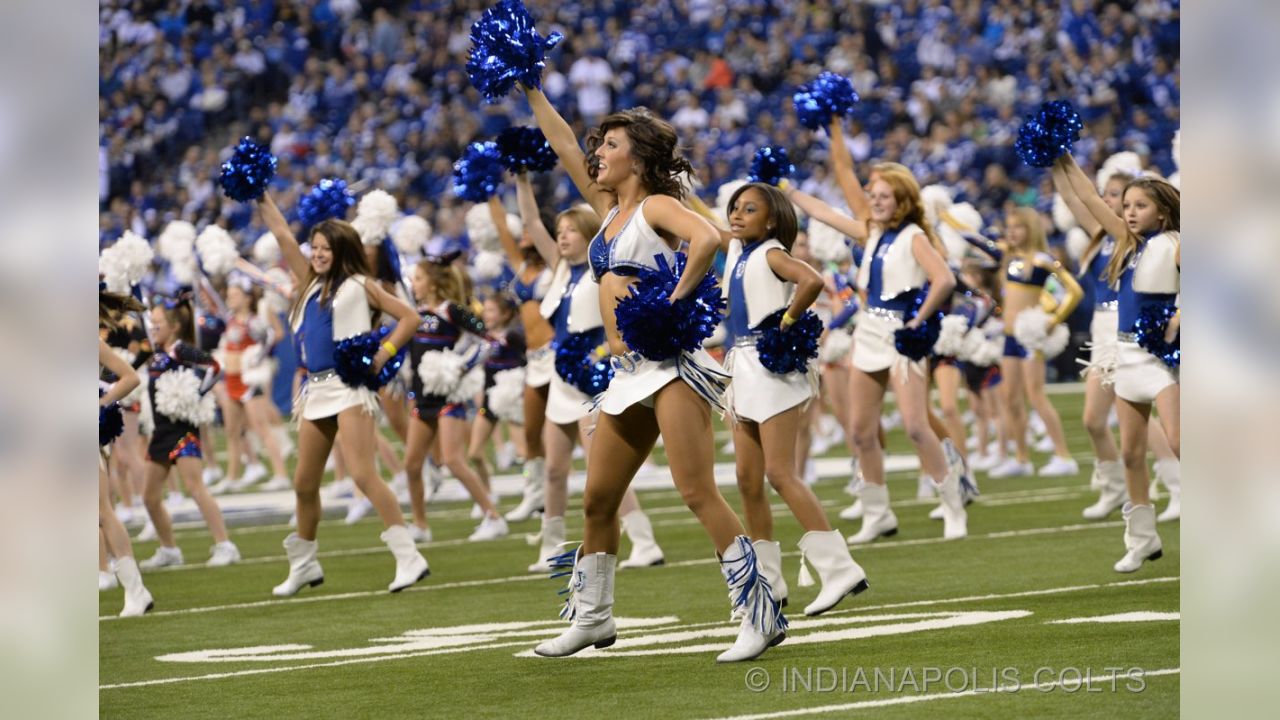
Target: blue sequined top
315, 337
1093, 278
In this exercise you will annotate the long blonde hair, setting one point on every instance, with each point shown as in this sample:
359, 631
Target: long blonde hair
448, 282
1168, 202
584, 219
1036, 240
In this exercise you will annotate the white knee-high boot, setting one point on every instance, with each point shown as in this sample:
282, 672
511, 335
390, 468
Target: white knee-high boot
589, 607
137, 600
877, 519
304, 568
410, 565
839, 574
763, 624
1141, 543
552, 537
1108, 478
1169, 472
769, 557
644, 547
535, 482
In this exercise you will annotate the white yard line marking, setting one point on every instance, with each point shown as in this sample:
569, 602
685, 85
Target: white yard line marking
1129, 617
912, 699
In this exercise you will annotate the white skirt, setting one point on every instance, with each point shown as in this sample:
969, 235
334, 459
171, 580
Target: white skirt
1141, 376
637, 380
566, 404
324, 395
764, 393
541, 366
873, 342
1104, 348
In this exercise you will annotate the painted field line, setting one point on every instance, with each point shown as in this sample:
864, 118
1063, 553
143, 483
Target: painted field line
912, 699
528, 577
524, 643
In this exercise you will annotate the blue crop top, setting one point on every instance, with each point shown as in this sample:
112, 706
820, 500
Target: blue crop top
315, 337
1094, 275
529, 292
1035, 272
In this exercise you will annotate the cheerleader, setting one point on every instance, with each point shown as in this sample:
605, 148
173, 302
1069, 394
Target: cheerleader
903, 266
336, 301
529, 286
1145, 267
499, 315
128, 339
766, 406
244, 346
384, 259
1027, 268
1099, 396
443, 320
111, 532
178, 413
629, 177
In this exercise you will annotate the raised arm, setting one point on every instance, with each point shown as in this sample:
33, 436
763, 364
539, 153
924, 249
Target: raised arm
499, 216
808, 283
842, 166
855, 228
941, 280
1113, 224
1062, 184
565, 144
667, 214
127, 377
289, 248
528, 205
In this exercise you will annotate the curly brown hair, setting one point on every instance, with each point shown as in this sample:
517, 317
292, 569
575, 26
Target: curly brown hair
654, 145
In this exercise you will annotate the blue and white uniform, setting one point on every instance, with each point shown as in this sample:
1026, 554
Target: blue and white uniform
541, 366
754, 293
1104, 348
317, 326
894, 280
572, 306
636, 379
1152, 277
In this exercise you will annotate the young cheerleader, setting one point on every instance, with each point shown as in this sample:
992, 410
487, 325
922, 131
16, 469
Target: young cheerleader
1104, 348
336, 301
629, 177
766, 406
903, 257
1145, 268
443, 320
499, 316
1027, 267
176, 440
137, 600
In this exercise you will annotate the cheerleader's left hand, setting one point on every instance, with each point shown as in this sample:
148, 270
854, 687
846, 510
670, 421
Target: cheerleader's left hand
914, 323
1171, 332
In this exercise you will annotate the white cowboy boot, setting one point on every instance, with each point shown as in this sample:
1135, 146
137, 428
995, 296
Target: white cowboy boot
410, 565
589, 607
1108, 478
877, 519
763, 624
644, 548
137, 600
1141, 542
955, 520
552, 538
535, 481
769, 558
1169, 472
839, 574
304, 569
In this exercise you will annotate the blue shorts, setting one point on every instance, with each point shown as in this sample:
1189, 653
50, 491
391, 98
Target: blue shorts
1013, 348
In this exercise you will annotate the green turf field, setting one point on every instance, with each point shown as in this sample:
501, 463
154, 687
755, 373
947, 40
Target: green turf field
943, 623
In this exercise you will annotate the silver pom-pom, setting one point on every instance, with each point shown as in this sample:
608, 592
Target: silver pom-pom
178, 397
266, 250
374, 215
951, 335
506, 397
218, 252
410, 234
1031, 330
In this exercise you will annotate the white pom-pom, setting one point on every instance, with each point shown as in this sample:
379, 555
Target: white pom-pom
184, 271
440, 371
177, 241
146, 416
1077, 241
374, 215
981, 349
1126, 162
487, 266
218, 252
1062, 217
481, 230
935, 199
410, 233
469, 385
506, 397
266, 251
124, 264
178, 397
835, 347
256, 367
951, 336
827, 244
1031, 330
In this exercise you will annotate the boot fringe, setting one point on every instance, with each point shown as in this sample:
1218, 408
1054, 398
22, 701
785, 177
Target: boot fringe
750, 590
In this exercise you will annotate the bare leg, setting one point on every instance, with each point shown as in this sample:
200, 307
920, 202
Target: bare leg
415, 455
112, 534
315, 440
618, 449
1098, 401
397, 413
259, 422
355, 434
481, 430
1169, 406
453, 446
233, 421
1015, 406
557, 441
1158, 438
912, 393
775, 439
868, 403
153, 497
749, 464
949, 380
535, 416
1033, 376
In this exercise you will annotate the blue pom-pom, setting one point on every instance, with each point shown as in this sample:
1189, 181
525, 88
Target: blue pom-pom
827, 96
353, 360
787, 351
579, 364
1150, 327
110, 423
525, 148
246, 174
1048, 134
770, 165
658, 329
478, 173
918, 344
328, 199
506, 48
